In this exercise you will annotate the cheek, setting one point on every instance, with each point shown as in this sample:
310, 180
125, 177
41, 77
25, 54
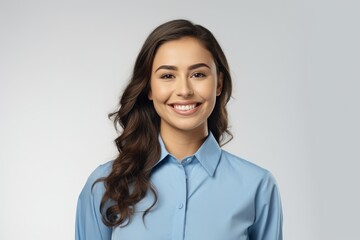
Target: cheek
159, 93
208, 91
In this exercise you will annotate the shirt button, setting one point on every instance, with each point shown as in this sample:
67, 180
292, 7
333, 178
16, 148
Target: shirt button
181, 206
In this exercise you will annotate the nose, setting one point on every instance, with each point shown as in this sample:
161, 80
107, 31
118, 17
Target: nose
184, 87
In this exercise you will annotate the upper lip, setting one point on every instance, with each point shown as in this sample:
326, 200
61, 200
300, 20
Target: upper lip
184, 103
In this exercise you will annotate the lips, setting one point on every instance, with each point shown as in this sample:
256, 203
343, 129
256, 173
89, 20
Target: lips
185, 108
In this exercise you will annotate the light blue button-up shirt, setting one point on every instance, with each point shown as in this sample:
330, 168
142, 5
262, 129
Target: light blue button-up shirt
211, 195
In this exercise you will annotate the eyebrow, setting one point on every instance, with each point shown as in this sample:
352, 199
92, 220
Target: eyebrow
192, 67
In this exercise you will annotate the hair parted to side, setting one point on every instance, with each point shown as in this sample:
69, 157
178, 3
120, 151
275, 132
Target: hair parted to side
138, 143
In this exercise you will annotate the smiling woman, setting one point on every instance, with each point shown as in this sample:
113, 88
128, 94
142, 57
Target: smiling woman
171, 179
184, 87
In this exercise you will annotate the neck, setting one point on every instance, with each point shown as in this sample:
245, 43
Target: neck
180, 143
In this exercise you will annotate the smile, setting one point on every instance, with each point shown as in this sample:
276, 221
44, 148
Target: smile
184, 107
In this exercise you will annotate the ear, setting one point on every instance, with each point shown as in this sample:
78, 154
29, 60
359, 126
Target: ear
220, 81
150, 95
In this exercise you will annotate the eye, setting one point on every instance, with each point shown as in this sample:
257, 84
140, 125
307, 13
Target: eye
167, 76
198, 75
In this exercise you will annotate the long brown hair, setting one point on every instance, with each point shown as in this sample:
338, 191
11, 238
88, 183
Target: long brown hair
138, 144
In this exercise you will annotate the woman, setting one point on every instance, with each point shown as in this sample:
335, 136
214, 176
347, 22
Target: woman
171, 180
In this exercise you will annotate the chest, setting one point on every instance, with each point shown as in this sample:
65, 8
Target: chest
192, 205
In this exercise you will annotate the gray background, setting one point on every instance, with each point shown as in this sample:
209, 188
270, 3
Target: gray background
295, 64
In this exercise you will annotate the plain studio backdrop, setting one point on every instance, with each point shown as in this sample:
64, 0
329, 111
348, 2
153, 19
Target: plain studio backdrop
295, 111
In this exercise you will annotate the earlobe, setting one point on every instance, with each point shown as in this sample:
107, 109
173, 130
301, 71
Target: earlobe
150, 96
219, 84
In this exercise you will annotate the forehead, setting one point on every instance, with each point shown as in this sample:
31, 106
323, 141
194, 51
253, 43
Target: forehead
182, 52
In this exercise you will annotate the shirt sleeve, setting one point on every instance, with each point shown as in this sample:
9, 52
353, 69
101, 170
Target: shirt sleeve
268, 216
89, 224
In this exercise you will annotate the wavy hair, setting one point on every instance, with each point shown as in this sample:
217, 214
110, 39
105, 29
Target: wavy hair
138, 144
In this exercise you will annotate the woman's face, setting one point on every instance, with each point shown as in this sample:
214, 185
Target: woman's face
184, 85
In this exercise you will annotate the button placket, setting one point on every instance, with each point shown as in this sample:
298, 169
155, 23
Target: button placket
180, 212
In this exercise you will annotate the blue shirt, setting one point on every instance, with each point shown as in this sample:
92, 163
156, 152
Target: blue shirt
211, 195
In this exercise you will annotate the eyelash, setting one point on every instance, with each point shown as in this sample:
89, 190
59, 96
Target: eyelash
167, 76
196, 75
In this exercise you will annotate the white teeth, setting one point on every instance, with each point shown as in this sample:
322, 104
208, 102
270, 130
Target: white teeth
185, 107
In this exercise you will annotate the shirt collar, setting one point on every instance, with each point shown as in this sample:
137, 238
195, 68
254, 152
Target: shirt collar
164, 152
208, 154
